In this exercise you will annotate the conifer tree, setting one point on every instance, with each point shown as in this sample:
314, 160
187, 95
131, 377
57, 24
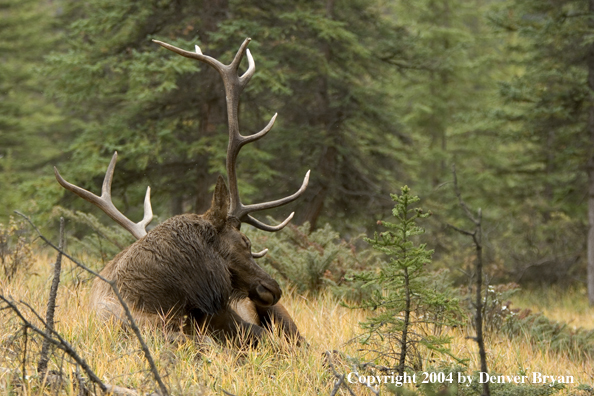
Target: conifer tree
550, 110
408, 302
317, 64
446, 86
29, 123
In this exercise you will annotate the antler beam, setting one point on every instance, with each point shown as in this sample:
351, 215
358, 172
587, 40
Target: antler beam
234, 85
105, 204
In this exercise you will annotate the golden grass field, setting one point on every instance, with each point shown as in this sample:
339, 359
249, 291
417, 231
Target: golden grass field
275, 368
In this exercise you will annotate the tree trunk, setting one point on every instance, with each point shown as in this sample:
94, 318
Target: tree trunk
212, 107
327, 163
406, 324
591, 225
327, 169
549, 157
212, 113
590, 167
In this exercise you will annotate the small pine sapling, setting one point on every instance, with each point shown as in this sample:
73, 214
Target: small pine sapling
409, 305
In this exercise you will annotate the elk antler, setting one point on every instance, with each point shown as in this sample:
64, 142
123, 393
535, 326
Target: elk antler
104, 201
234, 85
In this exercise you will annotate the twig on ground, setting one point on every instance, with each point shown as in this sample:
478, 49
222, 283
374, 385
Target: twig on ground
112, 284
337, 384
366, 383
339, 377
65, 346
58, 341
80, 382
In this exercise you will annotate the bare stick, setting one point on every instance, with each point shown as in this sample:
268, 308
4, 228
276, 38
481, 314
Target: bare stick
463, 205
68, 349
59, 342
24, 362
340, 378
478, 304
337, 384
366, 383
112, 284
51, 303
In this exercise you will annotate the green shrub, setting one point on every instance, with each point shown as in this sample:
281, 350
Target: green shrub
550, 335
311, 261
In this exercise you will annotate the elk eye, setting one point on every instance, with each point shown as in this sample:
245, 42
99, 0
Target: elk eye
247, 243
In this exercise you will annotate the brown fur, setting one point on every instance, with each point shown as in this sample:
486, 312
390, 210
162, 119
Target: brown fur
198, 267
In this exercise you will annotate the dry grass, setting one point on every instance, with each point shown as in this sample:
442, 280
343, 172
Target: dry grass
275, 368
561, 304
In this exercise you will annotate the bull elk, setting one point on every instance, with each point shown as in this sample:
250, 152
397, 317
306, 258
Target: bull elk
193, 266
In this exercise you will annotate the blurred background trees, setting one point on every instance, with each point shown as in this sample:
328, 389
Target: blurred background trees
371, 95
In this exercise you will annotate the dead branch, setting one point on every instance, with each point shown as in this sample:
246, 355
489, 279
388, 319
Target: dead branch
339, 378
58, 341
65, 346
476, 235
51, 303
112, 284
367, 384
24, 362
337, 384
463, 205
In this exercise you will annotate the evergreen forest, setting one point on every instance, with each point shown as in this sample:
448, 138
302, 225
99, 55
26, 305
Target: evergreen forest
371, 95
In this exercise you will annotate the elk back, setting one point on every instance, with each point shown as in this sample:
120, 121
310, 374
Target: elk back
174, 268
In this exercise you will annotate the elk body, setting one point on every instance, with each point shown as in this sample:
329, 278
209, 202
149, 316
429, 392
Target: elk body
197, 270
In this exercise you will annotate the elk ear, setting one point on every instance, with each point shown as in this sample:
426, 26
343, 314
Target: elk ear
219, 208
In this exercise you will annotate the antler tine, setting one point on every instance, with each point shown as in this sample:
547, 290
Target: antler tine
148, 210
245, 77
239, 55
267, 227
219, 66
194, 55
260, 254
246, 209
138, 230
264, 131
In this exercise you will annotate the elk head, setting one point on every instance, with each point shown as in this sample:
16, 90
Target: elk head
246, 275
191, 264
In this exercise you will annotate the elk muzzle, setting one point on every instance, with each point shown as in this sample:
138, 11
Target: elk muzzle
265, 294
